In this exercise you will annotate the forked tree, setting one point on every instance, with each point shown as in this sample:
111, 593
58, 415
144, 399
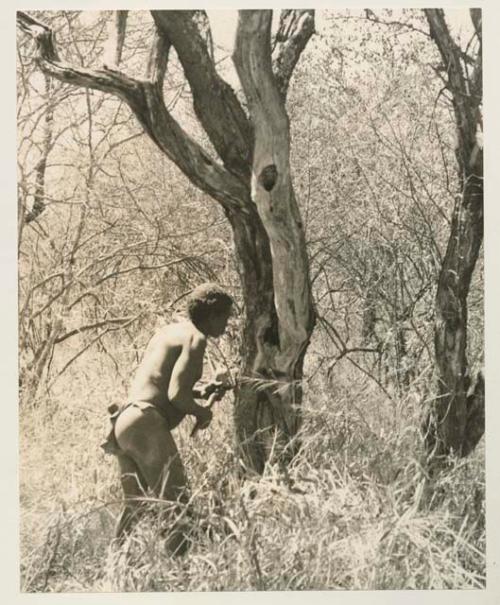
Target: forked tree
250, 179
456, 420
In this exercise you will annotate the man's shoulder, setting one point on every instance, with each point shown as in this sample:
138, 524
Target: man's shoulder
182, 333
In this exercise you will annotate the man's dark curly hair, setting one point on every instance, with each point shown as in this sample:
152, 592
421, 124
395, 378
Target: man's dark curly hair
207, 299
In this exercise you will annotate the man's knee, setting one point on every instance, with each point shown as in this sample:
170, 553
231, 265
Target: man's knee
133, 486
167, 479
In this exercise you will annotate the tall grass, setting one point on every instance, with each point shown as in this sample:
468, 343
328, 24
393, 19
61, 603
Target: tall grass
357, 510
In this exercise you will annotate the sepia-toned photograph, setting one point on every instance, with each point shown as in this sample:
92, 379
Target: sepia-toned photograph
250, 300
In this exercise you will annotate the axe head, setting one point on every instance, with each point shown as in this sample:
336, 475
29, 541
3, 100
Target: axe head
226, 376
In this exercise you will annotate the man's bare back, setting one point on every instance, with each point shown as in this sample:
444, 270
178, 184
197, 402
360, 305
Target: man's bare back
172, 364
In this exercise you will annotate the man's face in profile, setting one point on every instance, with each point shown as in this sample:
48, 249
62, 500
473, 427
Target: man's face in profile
218, 322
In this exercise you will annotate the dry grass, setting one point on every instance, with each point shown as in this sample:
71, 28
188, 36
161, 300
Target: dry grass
361, 515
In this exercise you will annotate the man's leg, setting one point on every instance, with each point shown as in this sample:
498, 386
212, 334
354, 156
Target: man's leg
134, 488
144, 436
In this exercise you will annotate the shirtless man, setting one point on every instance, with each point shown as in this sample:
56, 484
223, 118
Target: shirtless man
161, 396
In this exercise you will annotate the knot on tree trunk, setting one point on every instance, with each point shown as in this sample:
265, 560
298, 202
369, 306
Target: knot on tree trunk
268, 177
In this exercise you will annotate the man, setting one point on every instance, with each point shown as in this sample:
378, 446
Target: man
161, 395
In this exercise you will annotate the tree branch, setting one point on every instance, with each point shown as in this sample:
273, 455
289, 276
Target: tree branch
476, 14
39, 203
466, 93
477, 74
158, 59
146, 101
190, 157
451, 55
142, 268
215, 103
119, 35
99, 324
450, 52
295, 29
93, 341
371, 16
106, 80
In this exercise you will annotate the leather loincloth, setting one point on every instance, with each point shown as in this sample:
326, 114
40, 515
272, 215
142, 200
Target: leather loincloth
110, 444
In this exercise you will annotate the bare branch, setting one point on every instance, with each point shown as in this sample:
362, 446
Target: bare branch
146, 101
106, 80
115, 28
99, 324
142, 268
158, 59
93, 341
252, 58
120, 27
476, 14
203, 171
466, 93
295, 29
477, 74
41, 166
371, 16
215, 102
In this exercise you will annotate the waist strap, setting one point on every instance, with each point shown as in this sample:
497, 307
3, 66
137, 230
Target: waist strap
145, 405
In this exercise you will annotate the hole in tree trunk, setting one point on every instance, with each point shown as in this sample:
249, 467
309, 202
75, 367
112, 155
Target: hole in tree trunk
268, 176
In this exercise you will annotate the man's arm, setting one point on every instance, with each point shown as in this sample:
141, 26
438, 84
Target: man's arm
200, 392
186, 372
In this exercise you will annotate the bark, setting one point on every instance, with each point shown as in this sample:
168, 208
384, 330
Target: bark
273, 195
456, 420
253, 186
120, 26
272, 190
295, 29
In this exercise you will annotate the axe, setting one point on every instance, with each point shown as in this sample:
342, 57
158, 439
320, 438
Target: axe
223, 382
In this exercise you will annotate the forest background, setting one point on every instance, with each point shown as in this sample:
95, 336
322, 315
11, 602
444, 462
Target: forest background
355, 440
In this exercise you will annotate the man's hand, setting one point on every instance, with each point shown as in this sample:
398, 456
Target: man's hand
203, 418
210, 388
204, 414
222, 382
216, 396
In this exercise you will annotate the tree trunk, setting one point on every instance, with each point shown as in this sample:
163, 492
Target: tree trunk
268, 395
253, 185
267, 411
456, 421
